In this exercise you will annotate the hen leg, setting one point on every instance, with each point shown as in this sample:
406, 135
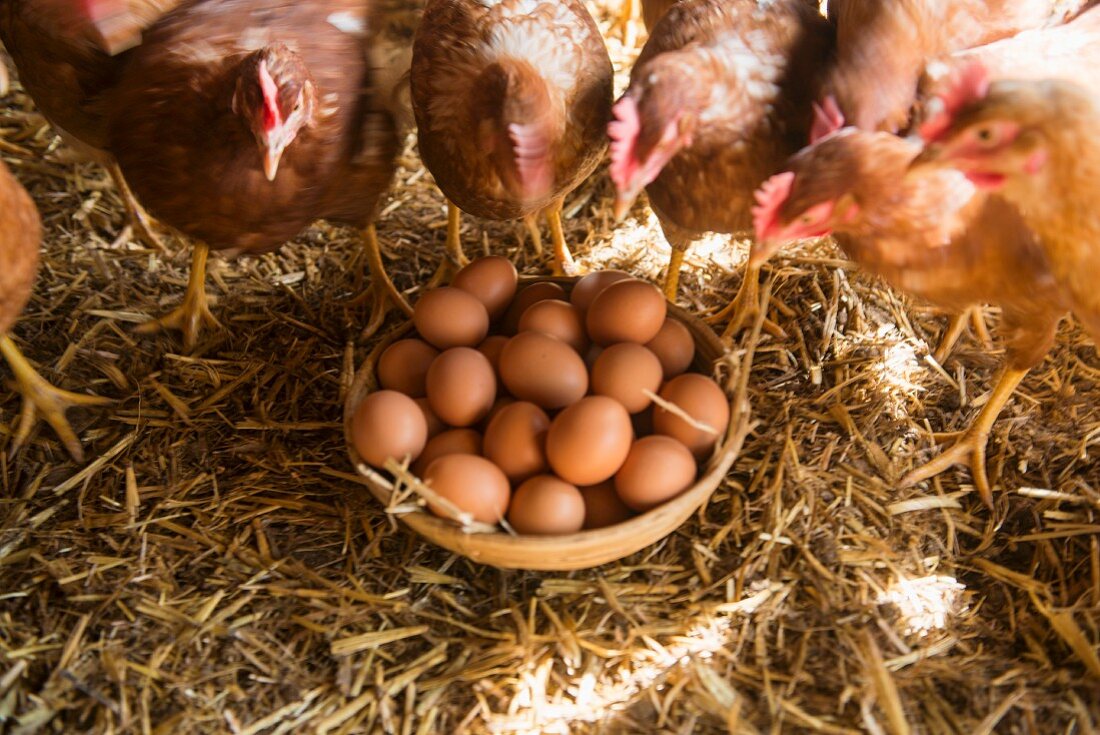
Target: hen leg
454, 257
672, 277
381, 292
977, 325
194, 313
625, 22
41, 398
531, 223
970, 447
139, 218
563, 259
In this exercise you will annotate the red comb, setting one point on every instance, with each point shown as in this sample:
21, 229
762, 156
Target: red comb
623, 131
273, 116
532, 156
827, 119
769, 198
967, 85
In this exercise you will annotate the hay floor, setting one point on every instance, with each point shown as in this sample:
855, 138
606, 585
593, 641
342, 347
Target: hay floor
213, 568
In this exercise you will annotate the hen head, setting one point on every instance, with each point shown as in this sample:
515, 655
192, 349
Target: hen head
652, 122
275, 99
994, 133
815, 195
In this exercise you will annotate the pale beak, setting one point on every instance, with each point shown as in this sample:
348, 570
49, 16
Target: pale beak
271, 162
624, 200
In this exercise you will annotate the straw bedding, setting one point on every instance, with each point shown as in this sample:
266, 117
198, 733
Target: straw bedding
215, 567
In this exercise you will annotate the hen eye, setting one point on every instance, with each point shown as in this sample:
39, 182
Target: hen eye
985, 135
805, 219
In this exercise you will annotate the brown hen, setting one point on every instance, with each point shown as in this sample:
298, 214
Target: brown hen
1036, 144
61, 50
512, 100
930, 233
241, 121
20, 232
883, 46
719, 98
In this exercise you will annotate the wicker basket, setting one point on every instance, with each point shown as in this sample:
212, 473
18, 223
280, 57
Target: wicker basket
574, 551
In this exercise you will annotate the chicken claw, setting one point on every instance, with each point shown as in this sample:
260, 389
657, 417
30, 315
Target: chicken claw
40, 398
194, 313
381, 292
955, 329
970, 447
455, 258
744, 307
140, 220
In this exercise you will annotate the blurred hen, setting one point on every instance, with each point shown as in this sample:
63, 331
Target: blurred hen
512, 99
719, 98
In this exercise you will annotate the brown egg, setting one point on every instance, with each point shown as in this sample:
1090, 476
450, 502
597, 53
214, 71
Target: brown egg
558, 319
674, 347
545, 505
516, 440
388, 424
702, 399
624, 372
492, 280
541, 291
454, 441
449, 317
403, 366
588, 441
657, 469
435, 426
589, 287
502, 402
543, 370
461, 386
491, 347
603, 507
474, 484
626, 311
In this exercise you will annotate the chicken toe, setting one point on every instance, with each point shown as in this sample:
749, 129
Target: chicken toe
970, 447
194, 313
744, 308
40, 398
381, 293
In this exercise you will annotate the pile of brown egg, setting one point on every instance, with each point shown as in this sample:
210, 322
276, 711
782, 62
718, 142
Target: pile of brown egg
535, 406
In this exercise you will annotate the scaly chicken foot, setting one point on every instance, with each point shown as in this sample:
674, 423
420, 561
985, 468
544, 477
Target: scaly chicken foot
139, 219
973, 317
455, 258
970, 448
194, 313
564, 265
382, 293
744, 307
672, 277
40, 398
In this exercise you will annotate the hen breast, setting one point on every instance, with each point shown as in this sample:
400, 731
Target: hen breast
460, 39
759, 64
20, 232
